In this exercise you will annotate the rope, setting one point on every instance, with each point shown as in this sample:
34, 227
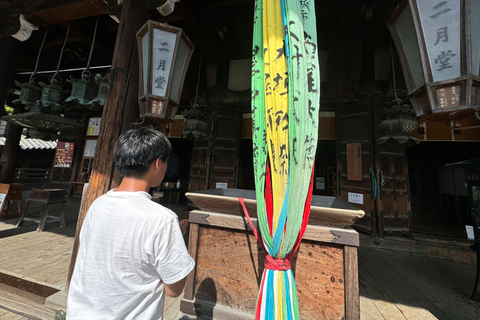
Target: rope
374, 184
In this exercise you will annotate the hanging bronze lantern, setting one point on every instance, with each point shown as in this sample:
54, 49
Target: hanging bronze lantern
83, 89
99, 101
398, 124
29, 94
29, 91
82, 92
52, 97
194, 126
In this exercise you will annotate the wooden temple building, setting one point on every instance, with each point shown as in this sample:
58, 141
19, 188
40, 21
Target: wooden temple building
389, 123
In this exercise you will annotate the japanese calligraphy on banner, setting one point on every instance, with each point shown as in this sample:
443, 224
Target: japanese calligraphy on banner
441, 25
64, 155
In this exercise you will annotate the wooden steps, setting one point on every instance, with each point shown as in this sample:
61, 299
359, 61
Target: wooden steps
25, 307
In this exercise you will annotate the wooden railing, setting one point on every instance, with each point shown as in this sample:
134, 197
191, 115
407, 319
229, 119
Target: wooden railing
32, 176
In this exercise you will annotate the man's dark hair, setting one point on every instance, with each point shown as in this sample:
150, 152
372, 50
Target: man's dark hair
136, 149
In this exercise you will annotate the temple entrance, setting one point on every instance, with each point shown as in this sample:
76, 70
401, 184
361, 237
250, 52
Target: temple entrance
439, 194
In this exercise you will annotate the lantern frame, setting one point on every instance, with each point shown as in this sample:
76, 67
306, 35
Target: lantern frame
445, 99
161, 108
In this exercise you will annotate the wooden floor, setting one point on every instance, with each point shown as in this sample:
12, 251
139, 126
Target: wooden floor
399, 285
393, 284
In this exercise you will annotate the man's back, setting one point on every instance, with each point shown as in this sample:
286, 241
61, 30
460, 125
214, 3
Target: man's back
129, 247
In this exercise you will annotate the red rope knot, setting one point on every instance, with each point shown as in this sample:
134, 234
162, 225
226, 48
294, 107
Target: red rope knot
277, 264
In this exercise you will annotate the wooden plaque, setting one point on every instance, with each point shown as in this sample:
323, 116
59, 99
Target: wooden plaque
354, 161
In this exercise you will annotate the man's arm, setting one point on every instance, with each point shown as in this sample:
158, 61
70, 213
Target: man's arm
175, 289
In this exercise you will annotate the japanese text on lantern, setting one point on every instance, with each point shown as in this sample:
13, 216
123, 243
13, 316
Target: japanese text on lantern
441, 28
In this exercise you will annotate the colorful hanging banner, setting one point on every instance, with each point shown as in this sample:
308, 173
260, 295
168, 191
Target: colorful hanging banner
285, 106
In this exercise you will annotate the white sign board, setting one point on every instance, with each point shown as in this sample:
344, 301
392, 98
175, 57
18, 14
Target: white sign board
355, 198
320, 183
93, 128
90, 146
470, 233
221, 185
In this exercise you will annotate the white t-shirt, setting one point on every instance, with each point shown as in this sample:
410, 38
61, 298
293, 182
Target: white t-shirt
129, 247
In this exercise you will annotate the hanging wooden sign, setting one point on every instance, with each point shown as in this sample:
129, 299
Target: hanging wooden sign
354, 161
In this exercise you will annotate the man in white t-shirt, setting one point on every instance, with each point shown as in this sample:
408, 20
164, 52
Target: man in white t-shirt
131, 250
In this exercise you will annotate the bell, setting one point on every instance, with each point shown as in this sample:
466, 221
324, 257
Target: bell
51, 98
29, 94
99, 101
82, 92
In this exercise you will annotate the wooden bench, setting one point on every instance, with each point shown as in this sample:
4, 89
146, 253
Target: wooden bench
12, 192
45, 197
32, 176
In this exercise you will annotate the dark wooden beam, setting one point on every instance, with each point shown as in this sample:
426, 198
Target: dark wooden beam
8, 58
226, 4
44, 13
88, 38
197, 26
121, 107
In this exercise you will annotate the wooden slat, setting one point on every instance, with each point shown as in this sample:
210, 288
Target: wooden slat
315, 233
339, 217
381, 300
192, 250
368, 307
5, 314
398, 285
432, 284
352, 302
25, 307
409, 306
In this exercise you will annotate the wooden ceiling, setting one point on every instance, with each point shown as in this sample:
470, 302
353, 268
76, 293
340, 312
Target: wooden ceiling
221, 30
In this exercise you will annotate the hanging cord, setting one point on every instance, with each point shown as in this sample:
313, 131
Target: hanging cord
32, 76
374, 184
198, 79
91, 51
61, 55
394, 76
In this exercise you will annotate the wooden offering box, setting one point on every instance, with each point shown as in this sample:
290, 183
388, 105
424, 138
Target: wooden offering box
225, 282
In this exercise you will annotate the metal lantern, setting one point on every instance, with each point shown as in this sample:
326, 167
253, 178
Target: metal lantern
52, 97
99, 101
164, 55
439, 47
398, 124
82, 92
29, 94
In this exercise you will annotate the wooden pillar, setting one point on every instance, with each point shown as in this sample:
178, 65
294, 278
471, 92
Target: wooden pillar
120, 110
8, 59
